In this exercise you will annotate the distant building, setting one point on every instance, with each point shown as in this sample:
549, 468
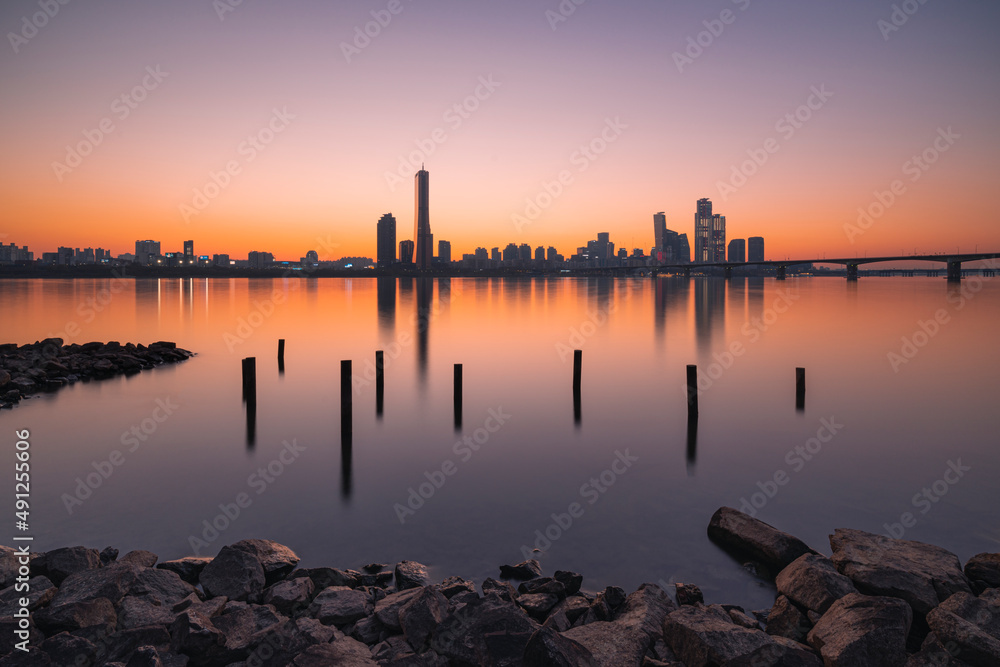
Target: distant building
311, 260
260, 260
660, 231
539, 254
444, 252
11, 254
482, 254
623, 253
64, 256
189, 252
510, 254
146, 252
221, 260
422, 220
737, 250
495, 255
386, 238
550, 254
709, 233
406, 252
684, 249
755, 249
524, 252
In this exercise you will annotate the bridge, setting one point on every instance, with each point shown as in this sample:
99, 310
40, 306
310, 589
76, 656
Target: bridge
953, 262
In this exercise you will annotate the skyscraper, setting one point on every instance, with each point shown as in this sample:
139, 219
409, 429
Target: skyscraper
189, 252
406, 252
424, 240
444, 252
737, 250
709, 234
755, 249
386, 235
660, 233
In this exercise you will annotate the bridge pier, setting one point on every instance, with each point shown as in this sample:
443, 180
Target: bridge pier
954, 272
852, 271
728, 272
779, 272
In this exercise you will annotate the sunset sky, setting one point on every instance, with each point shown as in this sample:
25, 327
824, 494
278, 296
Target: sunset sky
343, 122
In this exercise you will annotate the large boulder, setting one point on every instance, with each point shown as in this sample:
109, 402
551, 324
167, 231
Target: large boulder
234, 573
787, 620
77, 615
411, 574
611, 644
486, 631
812, 582
290, 595
276, 559
111, 582
970, 625
339, 605
421, 614
922, 574
548, 648
40, 592
60, 563
645, 610
863, 630
529, 569
704, 636
188, 568
344, 652
387, 609
985, 568
743, 535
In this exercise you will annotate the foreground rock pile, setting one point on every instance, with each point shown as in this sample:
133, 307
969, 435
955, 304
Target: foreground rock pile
48, 365
877, 601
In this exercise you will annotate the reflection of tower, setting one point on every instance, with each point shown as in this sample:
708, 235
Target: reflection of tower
386, 298
709, 311
424, 240
425, 293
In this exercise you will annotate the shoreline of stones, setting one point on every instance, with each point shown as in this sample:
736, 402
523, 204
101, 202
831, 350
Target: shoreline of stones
875, 601
48, 365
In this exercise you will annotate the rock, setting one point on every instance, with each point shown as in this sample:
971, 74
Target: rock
501, 588
922, 574
574, 607
610, 644
783, 653
387, 609
8, 566
194, 635
742, 534
688, 594
548, 648
108, 555
211, 607
58, 564
645, 610
137, 612
188, 568
234, 573
787, 620
411, 574
160, 586
8, 625
324, 577
483, 632
145, 656
241, 625
338, 605
933, 653
546, 585
970, 625
571, 581
76, 615
420, 615
813, 582
455, 585
702, 636
119, 646
985, 568
4, 379
67, 649
863, 630
742, 619
290, 595
277, 560
40, 592
33, 657
367, 630
344, 652
537, 605
140, 557
529, 569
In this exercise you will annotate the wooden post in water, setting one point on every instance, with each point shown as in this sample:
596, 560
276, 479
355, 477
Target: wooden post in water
379, 381
281, 355
577, 369
692, 386
458, 396
250, 380
346, 400
800, 389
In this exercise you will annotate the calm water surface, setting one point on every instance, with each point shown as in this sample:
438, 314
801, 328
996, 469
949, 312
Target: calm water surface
893, 425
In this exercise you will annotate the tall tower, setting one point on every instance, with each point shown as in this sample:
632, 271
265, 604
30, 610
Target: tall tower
659, 232
703, 231
424, 240
386, 240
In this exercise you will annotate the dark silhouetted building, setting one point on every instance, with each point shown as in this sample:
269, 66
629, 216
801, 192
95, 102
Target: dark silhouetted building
539, 254
146, 252
709, 233
737, 250
444, 252
495, 255
385, 254
406, 252
189, 252
260, 260
424, 240
755, 249
660, 233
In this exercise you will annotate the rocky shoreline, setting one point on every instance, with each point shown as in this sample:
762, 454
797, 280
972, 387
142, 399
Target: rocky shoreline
875, 601
48, 365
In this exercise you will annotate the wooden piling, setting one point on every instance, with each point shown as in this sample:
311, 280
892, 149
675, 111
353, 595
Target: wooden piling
458, 396
800, 389
577, 369
379, 381
281, 350
346, 399
250, 380
692, 391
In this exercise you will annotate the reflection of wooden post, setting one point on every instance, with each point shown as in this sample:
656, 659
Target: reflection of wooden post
458, 396
379, 381
346, 399
800, 389
692, 384
250, 380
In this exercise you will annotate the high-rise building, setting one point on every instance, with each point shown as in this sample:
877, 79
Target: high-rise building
755, 249
550, 254
709, 234
406, 252
482, 254
524, 252
737, 250
510, 254
423, 239
444, 252
495, 255
385, 232
189, 252
260, 260
146, 252
539, 254
683, 249
660, 231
